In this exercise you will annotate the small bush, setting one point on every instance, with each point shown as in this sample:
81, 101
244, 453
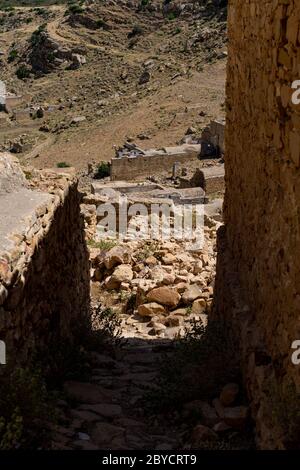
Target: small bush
36, 35
12, 55
103, 170
23, 404
75, 9
63, 165
23, 72
137, 30
102, 244
106, 329
172, 16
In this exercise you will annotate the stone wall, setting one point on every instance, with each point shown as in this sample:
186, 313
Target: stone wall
44, 266
259, 250
131, 168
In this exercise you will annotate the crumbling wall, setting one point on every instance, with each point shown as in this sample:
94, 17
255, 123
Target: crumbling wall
44, 266
259, 249
131, 168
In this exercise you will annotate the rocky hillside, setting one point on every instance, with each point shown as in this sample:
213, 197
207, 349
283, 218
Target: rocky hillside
123, 68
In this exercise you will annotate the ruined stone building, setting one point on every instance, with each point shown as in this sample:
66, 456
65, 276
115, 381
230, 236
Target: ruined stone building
258, 277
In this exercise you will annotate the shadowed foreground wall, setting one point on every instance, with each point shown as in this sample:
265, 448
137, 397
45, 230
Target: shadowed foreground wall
44, 269
258, 278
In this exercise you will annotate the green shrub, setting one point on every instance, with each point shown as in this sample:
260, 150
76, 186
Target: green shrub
172, 16
106, 329
23, 404
12, 55
36, 35
75, 9
63, 165
103, 170
102, 244
23, 72
137, 30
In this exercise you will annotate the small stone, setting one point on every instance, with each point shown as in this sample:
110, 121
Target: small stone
221, 427
229, 393
82, 436
191, 130
201, 434
169, 259
199, 306
236, 416
107, 410
123, 273
191, 293
151, 309
78, 119
151, 261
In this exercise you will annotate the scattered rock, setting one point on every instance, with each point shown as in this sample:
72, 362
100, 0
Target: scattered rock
191, 293
165, 296
151, 309
78, 119
117, 255
85, 392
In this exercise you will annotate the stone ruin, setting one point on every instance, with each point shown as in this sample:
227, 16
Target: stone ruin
258, 269
44, 265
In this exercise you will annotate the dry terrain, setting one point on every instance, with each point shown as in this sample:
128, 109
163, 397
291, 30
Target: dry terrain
182, 60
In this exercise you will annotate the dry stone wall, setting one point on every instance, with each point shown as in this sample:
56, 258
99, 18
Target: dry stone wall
262, 208
132, 168
44, 265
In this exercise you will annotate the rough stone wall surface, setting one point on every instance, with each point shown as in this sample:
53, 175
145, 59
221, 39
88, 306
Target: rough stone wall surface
262, 202
132, 168
44, 274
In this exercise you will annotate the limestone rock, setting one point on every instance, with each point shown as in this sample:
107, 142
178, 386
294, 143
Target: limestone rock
117, 255
122, 273
199, 306
164, 296
151, 309
169, 259
191, 293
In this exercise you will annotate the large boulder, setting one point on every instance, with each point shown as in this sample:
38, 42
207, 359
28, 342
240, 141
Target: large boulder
165, 296
117, 255
150, 310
